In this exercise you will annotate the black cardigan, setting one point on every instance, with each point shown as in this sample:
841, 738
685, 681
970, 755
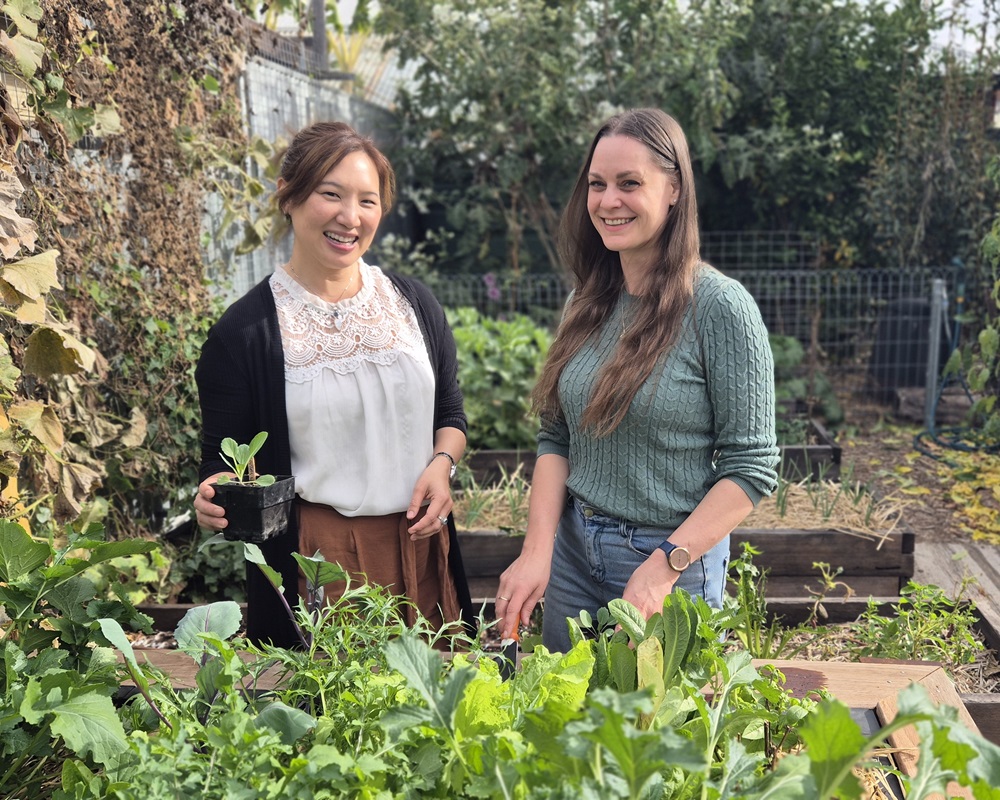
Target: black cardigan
241, 388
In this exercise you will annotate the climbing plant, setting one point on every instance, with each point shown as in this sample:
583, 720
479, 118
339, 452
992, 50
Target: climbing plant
979, 361
119, 121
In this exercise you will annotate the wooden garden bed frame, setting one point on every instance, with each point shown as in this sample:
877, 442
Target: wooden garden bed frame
877, 567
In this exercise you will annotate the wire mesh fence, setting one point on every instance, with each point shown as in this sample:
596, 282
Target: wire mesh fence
868, 331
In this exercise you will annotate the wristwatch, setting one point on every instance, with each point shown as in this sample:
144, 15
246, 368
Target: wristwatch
454, 466
679, 558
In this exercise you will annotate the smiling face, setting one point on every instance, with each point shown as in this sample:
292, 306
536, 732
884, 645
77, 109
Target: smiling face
335, 225
629, 197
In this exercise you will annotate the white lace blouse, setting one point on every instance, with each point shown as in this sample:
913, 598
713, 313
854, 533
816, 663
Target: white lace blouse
359, 391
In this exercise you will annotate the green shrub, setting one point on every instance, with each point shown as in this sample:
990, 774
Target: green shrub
799, 394
498, 364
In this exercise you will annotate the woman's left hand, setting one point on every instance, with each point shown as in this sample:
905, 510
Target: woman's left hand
651, 582
433, 490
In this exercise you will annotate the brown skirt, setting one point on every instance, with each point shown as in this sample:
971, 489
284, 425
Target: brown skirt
379, 550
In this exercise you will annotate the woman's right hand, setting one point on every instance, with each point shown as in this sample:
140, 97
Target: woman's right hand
208, 514
522, 585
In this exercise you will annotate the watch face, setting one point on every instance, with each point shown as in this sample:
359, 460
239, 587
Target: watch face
679, 559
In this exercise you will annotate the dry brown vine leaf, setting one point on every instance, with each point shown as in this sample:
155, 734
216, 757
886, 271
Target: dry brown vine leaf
16, 232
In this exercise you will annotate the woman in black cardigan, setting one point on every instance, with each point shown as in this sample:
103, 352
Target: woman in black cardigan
352, 373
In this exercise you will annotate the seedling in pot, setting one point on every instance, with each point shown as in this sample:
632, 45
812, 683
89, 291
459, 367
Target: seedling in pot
240, 457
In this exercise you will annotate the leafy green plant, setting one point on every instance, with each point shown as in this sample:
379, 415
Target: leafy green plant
925, 625
203, 570
979, 359
799, 391
499, 361
367, 708
241, 458
762, 635
57, 676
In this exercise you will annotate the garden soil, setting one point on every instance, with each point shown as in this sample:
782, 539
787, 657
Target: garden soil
946, 494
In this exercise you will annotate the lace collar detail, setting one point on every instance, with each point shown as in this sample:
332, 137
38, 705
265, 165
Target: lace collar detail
375, 326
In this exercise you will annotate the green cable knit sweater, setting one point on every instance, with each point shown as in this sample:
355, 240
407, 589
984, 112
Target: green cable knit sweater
707, 414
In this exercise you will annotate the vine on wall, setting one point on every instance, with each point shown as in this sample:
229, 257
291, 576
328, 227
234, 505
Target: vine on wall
118, 118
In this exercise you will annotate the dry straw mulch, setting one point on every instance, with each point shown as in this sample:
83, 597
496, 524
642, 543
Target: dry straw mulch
829, 505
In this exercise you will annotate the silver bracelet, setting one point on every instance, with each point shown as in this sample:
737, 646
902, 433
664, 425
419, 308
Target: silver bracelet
454, 466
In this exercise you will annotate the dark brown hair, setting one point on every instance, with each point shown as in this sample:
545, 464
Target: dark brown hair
319, 148
599, 279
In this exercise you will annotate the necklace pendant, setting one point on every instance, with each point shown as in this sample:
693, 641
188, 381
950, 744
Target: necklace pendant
336, 314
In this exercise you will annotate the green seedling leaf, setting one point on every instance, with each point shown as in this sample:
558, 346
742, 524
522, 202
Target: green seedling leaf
264, 480
649, 670
834, 741
255, 444
291, 723
640, 755
113, 633
628, 616
229, 447
622, 666
219, 538
679, 633
222, 619
318, 571
90, 724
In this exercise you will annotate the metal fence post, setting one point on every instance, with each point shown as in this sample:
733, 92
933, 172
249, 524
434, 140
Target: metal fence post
319, 48
939, 298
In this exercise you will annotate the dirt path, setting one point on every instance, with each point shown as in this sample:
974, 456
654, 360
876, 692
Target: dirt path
949, 494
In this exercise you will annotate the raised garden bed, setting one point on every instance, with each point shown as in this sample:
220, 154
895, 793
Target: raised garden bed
816, 458
876, 567
488, 467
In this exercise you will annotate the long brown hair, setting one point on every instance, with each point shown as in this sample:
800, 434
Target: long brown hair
319, 148
599, 279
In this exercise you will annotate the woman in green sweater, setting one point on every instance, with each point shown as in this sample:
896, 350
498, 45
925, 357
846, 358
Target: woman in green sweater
657, 398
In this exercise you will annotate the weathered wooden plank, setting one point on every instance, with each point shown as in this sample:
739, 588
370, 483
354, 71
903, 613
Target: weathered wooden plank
783, 551
985, 710
488, 553
906, 741
793, 552
950, 565
796, 586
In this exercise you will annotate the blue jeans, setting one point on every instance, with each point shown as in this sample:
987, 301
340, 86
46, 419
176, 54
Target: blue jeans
594, 557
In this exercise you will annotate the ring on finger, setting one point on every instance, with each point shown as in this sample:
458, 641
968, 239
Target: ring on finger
443, 520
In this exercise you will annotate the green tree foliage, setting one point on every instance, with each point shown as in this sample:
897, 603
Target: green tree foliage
927, 199
507, 95
840, 118
979, 360
815, 85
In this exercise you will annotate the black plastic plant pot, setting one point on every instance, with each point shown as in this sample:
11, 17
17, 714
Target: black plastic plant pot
256, 513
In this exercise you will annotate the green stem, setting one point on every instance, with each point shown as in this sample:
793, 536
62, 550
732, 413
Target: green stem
24, 757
